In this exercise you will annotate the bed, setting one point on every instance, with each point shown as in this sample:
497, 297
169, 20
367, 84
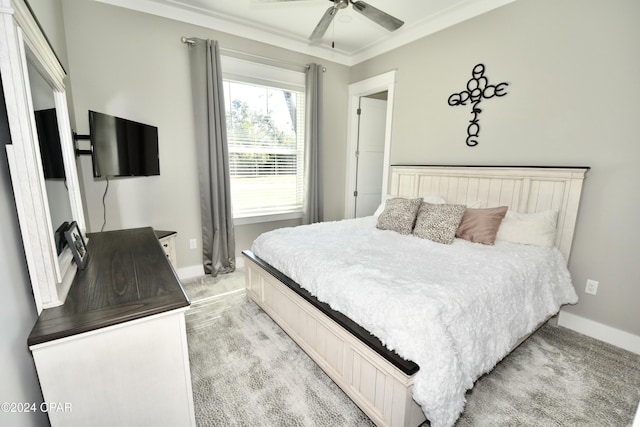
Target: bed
396, 369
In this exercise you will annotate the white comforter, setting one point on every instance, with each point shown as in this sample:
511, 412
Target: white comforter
455, 310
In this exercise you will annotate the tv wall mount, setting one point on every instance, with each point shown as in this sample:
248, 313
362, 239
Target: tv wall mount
77, 137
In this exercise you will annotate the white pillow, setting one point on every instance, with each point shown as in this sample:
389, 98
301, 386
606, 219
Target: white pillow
537, 229
436, 200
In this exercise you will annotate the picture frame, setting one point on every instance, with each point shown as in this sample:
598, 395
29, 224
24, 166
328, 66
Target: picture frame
77, 245
59, 237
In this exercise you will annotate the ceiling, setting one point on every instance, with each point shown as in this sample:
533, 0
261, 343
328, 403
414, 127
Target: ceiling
288, 23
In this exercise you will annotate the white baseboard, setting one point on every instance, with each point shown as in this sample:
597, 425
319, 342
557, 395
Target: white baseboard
600, 331
198, 270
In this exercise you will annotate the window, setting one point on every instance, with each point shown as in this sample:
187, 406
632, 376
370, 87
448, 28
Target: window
265, 132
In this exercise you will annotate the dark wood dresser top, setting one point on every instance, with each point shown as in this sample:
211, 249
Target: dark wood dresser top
127, 277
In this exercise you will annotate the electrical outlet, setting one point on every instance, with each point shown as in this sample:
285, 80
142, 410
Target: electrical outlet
592, 287
193, 243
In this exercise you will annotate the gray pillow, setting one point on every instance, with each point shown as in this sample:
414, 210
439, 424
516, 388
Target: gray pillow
399, 215
438, 222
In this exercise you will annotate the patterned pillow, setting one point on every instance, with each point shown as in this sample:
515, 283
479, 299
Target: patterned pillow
430, 199
399, 215
438, 222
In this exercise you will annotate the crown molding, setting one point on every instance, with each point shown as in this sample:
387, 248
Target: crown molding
175, 10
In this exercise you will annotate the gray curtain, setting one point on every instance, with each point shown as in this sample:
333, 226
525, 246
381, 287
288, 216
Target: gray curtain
218, 240
312, 207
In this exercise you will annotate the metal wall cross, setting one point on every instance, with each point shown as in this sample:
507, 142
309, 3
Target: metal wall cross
478, 88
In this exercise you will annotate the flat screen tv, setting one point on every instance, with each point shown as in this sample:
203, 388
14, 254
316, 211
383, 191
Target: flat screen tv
122, 147
49, 140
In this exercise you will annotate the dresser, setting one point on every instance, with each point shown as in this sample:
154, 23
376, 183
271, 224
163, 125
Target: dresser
115, 353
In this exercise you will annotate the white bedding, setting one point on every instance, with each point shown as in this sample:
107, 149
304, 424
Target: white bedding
455, 310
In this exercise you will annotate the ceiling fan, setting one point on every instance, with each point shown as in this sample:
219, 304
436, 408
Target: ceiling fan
376, 15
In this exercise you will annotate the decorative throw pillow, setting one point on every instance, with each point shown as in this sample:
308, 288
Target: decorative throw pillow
430, 199
537, 229
399, 215
381, 207
481, 225
438, 222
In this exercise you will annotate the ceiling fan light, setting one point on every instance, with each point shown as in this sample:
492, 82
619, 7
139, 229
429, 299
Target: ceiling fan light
341, 4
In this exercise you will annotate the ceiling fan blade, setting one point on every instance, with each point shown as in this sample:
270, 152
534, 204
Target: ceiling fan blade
324, 23
389, 22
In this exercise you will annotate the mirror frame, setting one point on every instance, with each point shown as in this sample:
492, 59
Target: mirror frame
22, 40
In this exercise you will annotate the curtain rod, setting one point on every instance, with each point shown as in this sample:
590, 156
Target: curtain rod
190, 41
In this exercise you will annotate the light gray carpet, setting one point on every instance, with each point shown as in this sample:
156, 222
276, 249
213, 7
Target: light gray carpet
557, 378
247, 372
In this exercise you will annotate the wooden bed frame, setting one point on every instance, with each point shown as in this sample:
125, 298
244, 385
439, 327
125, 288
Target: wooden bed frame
377, 380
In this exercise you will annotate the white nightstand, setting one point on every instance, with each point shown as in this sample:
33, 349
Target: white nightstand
168, 241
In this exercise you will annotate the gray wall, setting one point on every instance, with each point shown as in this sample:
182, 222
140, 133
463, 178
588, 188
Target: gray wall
17, 308
572, 68
133, 65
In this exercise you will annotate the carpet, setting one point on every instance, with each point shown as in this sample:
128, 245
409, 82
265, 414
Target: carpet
557, 377
247, 372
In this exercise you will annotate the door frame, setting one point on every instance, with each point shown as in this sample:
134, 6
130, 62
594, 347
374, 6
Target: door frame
380, 83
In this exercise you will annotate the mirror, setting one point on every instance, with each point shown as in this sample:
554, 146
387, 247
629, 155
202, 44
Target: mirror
48, 139
33, 84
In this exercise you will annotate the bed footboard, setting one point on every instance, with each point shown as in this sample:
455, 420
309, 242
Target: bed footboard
381, 390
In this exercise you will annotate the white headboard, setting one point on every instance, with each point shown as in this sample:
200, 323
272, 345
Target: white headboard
523, 189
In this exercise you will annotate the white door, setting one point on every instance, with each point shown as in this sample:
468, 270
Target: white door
370, 156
